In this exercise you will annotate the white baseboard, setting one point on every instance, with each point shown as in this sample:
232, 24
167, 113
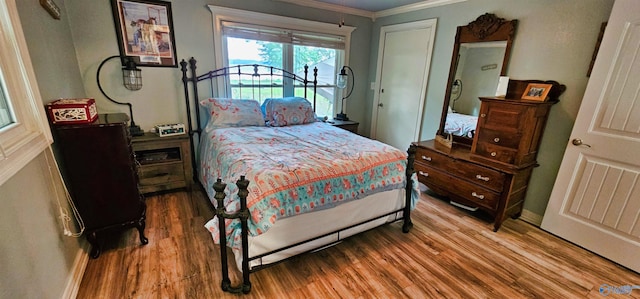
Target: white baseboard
531, 217
77, 271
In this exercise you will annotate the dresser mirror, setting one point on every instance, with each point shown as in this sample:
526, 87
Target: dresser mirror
480, 56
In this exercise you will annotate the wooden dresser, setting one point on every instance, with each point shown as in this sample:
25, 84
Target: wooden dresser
492, 173
98, 165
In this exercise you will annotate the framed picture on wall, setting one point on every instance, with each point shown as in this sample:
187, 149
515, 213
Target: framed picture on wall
144, 29
536, 92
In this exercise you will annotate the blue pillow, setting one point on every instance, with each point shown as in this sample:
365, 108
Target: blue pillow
280, 112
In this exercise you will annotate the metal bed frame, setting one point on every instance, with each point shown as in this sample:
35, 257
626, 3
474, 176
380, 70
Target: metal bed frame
259, 71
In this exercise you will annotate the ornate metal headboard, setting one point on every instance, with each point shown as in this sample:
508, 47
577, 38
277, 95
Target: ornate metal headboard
250, 78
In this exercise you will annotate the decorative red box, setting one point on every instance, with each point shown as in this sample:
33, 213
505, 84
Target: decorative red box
76, 111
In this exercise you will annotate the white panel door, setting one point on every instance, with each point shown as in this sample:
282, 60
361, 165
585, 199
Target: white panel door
403, 70
595, 201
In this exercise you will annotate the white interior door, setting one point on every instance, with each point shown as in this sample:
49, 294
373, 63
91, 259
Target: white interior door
595, 201
404, 60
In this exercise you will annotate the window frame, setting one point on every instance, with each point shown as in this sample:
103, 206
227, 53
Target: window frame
222, 14
29, 134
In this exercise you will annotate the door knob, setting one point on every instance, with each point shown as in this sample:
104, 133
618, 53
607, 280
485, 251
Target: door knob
578, 142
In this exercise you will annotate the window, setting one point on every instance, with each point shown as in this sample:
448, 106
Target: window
5, 113
24, 132
270, 40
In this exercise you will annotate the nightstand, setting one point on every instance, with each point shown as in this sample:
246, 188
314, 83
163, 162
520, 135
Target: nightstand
164, 163
351, 126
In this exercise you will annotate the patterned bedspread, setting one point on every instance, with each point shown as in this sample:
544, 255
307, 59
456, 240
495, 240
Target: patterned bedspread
461, 124
294, 170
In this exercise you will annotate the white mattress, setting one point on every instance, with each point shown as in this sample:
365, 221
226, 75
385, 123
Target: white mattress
292, 230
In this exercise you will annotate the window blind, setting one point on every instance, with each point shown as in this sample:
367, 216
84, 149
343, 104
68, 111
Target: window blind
281, 35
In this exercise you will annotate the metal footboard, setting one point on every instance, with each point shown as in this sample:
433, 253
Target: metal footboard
243, 215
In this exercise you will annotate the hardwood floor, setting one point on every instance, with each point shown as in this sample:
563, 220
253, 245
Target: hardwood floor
447, 254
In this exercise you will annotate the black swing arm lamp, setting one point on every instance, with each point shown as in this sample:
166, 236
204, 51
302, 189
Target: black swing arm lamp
131, 79
341, 82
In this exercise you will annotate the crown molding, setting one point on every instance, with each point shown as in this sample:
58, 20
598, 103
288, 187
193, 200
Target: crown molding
331, 7
368, 14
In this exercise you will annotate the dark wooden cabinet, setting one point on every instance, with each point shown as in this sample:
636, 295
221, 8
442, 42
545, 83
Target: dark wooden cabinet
99, 168
164, 163
492, 173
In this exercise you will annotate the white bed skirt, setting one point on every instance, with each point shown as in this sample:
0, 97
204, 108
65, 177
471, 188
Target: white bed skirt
299, 228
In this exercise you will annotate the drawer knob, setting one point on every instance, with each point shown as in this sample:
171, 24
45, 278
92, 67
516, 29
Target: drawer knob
426, 158
424, 174
496, 140
493, 154
476, 195
483, 178
483, 115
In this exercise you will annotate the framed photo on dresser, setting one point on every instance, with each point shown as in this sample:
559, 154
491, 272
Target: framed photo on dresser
536, 92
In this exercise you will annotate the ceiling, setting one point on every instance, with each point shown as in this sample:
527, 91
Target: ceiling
371, 5
371, 8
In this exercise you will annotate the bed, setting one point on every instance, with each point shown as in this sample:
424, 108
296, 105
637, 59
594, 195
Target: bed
461, 124
281, 182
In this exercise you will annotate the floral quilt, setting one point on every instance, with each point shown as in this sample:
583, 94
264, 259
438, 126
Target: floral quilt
293, 170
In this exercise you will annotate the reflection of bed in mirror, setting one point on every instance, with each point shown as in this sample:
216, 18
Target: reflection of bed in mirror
479, 66
460, 124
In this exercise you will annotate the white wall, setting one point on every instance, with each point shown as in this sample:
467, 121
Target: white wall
554, 41
36, 259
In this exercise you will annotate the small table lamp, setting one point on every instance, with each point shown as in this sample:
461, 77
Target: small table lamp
341, 82
132, 80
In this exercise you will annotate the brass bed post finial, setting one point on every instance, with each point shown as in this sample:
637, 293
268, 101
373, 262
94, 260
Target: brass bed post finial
183, 68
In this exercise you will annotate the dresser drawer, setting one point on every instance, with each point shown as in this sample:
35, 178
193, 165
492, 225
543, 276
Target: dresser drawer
476, 174
500, 138
432, 158
160, 174
461, 188
495, 153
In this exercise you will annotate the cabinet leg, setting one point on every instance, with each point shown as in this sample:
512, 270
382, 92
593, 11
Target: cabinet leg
95, 246
140, 226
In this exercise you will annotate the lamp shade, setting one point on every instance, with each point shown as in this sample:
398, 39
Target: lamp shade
342, 78
131, 75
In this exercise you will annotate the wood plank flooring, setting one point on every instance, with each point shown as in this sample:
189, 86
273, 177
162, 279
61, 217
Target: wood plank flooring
449, 253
